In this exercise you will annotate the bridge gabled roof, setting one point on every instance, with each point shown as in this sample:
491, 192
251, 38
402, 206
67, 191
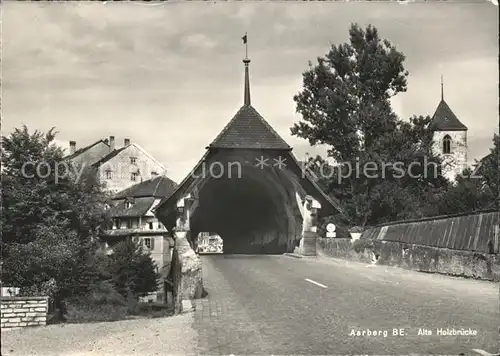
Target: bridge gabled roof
248, 129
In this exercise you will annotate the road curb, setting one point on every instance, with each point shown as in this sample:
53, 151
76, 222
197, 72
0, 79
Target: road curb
292, 255
187, 306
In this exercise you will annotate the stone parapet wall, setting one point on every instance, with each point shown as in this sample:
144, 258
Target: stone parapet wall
414, 257
186, 273
23, 311
345, 248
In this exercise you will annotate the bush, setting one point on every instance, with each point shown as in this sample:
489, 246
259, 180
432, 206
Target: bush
105, 293
132, 270
102, 303
362, 244
133, 307
83, 312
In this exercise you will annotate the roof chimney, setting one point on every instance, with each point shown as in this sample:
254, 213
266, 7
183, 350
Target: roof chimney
72, 147
126, 142
111, 143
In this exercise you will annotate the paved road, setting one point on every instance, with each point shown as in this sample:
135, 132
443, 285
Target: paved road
265, 305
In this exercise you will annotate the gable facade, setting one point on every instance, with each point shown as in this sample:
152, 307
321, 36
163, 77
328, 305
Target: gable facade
126, 167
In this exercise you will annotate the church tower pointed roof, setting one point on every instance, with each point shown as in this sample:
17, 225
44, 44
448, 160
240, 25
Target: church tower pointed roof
444, 119
248, 129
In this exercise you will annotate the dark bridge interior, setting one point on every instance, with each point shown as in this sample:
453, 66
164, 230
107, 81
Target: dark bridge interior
246, 212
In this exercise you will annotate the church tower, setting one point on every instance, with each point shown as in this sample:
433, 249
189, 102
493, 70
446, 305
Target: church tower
450, 139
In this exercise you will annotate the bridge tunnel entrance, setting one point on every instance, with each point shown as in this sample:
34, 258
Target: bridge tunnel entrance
249, 215
264, 210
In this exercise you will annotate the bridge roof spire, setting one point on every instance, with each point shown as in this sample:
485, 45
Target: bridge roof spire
246, 61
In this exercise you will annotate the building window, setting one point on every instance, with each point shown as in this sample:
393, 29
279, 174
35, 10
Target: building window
133, 160
117, 223
447, 144
150, 226
128, 204
108, 174
148, 242
129, 223
133, 176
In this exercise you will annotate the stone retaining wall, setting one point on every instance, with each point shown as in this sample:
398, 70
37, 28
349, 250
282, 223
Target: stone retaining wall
186, 274
23, 311
414, 257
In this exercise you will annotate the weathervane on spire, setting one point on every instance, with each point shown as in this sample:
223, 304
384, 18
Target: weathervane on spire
244, 38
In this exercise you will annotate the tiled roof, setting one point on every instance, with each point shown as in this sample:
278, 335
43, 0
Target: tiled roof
311, 178
445, 120
83, 149
139, 207
108, 156
180, 189
248, 129
304, 165
485, 158
159, 187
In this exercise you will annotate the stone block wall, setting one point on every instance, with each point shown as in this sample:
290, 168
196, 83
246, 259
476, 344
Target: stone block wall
345, 248
186, 271
421, 258
23, 311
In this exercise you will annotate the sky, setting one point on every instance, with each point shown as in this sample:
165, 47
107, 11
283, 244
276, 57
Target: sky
169, 76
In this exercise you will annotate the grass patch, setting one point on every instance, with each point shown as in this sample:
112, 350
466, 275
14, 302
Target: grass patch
155, 310
87, 313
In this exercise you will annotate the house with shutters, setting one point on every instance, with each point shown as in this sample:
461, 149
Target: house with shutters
132, 218
117, 168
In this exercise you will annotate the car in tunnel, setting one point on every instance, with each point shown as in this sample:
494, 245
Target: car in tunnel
212, 243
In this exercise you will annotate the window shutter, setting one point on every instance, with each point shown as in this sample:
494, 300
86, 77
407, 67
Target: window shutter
152, 243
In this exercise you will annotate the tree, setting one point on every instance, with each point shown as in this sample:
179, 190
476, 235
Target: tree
348, 88
345, 104
466, 196
474, 189
49, 220
489, 171
133, 271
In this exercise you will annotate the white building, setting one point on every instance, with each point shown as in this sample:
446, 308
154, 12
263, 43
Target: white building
450, 139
